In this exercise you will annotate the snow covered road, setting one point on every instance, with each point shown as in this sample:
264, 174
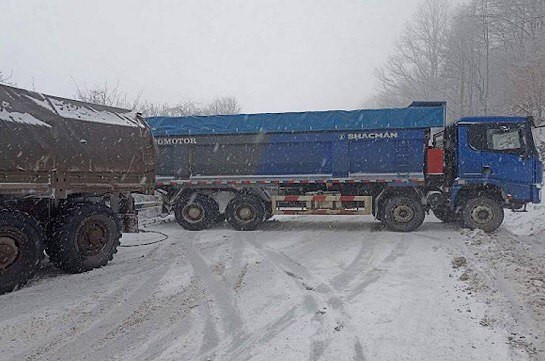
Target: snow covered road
301, 288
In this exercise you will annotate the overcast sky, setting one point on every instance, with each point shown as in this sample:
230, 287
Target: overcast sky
272, 55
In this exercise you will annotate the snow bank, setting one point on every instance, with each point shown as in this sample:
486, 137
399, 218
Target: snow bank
527, 223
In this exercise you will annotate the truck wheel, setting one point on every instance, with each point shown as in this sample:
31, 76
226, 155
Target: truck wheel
446, 215
403, 214
21, 249
482, 213
245, 213
83, 237
196, 212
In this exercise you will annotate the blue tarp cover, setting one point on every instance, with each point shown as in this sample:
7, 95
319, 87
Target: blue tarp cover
403, 118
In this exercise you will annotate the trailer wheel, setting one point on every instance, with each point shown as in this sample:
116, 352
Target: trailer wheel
83, 237
403, 214
196, 212
21, 249
446, 215
482, 213
245, 213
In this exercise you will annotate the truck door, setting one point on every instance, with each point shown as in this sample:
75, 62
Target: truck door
499, 152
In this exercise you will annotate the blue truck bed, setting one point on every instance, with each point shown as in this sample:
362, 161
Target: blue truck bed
348, 145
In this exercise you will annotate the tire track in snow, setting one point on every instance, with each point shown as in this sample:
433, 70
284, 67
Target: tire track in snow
241, 349
223, 300
108, 313
342, 280
329, 293
79, 347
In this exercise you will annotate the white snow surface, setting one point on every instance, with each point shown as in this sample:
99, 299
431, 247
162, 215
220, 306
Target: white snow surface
88, 113
300, 288
17, 117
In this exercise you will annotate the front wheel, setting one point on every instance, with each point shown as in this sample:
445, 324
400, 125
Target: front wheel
482, 213
403, 214
83, 237
21, 249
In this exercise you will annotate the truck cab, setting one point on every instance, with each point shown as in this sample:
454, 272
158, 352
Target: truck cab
494, 158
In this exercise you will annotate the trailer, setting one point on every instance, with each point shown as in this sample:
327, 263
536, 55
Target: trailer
394, 164
67, 170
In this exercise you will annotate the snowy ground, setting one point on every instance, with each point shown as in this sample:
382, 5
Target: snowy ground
301, 288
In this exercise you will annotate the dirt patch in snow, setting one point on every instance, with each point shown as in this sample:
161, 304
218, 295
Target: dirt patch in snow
510, 270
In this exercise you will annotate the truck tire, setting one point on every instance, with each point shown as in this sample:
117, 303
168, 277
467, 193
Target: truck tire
482, 213
21, 249
196, 212
83, 237
446, 215
245, 213
403, 214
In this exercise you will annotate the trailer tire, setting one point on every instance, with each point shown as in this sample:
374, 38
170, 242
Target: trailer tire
21, 249
245, 213
196, 212
446, 215
482, 213
403, 214
83, 237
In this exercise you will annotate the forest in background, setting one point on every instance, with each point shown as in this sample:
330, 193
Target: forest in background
483, 57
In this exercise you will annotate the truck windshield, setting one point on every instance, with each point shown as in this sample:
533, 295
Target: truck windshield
506, 138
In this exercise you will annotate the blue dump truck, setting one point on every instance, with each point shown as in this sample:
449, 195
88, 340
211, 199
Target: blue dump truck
394, 164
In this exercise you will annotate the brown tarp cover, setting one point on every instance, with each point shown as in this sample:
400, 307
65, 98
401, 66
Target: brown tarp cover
48, 140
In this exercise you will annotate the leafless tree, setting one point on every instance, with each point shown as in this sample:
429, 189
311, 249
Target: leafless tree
223, 106
4, 79
413, 71
528, 90
186, 107
106, 94
484, 57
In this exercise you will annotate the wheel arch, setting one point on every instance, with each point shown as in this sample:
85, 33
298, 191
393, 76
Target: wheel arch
461, 195
389, 192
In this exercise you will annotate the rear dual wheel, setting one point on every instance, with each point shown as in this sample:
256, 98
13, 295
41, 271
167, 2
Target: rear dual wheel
83, 237
245, 212
403, 214
196, 212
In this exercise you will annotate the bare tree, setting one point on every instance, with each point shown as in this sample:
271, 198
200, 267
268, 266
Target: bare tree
4, 79
488, 57
223, 106
186, 107
528, 90
106, 94
413, 71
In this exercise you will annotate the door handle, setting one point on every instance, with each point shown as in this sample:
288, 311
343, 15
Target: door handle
487, 170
